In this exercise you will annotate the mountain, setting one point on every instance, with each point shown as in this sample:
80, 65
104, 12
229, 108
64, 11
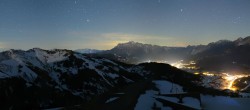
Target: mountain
40, 79
3, 49
165, 89
88, 51
243, 41
134, 52
223, 55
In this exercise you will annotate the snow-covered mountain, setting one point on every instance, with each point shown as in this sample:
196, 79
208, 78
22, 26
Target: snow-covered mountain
39, 78
243, 41
3, 49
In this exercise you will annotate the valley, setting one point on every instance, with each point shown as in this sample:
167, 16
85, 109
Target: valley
223, 80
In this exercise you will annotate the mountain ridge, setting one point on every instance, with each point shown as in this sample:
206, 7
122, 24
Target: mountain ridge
63, 72
66, 78
225, 51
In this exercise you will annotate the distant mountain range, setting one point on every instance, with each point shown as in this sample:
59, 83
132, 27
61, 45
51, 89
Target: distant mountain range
225, 55
134, 52
220, 55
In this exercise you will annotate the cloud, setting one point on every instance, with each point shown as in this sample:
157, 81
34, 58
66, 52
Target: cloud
112, 39
133, 37
94, 40
121, 38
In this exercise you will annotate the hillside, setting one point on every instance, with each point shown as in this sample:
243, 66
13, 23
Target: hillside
45, 78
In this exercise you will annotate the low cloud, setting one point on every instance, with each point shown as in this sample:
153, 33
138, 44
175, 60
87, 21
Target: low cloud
134, 37
110, 40
115, 38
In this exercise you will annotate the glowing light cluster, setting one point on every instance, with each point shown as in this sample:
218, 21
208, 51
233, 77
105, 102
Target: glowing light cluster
229, 79
177, 65
181, 65
208, 74
192, 62
225, 79
196, 73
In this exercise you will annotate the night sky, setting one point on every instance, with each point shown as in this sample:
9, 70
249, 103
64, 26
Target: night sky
101, 24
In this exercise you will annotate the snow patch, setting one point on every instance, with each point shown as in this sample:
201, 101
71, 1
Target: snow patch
224, 103
111, 99
146, 101
166, 87
193, 102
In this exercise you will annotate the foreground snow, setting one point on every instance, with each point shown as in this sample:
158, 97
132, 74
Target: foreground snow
227, 103
148, 100
166, 87
111, 99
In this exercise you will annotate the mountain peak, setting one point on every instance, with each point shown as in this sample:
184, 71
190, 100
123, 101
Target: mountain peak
36, 48
243, 41
222, 41
129, 43
132, 42
50, 51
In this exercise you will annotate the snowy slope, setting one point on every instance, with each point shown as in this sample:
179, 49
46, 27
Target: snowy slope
62, 71
16, 62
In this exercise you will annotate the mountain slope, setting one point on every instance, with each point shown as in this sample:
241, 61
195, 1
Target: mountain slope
225, 55
51, 74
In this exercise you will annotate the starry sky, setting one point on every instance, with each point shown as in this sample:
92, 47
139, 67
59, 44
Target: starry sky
101, 24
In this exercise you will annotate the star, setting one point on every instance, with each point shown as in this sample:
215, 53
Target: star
236, 20
181, 10
87, 20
